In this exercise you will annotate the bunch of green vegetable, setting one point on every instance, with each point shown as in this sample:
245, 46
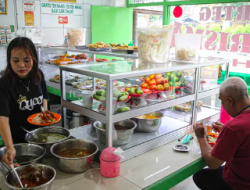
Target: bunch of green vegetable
133, 90
175, 79
117, 95
123, 109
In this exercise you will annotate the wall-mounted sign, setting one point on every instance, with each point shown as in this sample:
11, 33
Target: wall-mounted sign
243, 13
3, 7
63, 19
29, 18
61, 8
28, 6
68, 1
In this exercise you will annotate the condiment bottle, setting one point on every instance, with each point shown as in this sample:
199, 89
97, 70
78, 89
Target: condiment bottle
110, 163
130, 48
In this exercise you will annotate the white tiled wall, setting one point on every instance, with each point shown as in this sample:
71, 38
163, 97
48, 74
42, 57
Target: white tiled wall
53, 32
2, 58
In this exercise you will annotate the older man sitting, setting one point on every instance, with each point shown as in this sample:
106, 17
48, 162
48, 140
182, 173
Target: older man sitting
233, 143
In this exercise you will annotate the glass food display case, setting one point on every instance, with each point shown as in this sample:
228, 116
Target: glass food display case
140, 106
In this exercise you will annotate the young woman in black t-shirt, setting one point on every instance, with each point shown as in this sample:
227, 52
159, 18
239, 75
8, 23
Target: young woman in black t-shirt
22, 93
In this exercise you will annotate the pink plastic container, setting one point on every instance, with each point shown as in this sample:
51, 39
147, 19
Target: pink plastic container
224, 116
110, 163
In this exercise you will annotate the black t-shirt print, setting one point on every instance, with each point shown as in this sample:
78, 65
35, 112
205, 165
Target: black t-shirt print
18, 104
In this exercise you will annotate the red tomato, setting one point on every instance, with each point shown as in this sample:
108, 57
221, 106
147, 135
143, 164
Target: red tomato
152, 82
166, 86
152, 87
159, 81
147, 80
165, 80
152, 76
145, 85
158, 76
159, 87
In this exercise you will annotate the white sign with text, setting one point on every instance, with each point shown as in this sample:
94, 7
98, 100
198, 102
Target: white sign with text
61, 8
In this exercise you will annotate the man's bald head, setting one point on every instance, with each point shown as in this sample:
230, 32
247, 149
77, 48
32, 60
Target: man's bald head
236, 88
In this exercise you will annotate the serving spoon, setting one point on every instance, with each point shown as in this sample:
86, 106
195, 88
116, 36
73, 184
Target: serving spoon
33, 135
14, 170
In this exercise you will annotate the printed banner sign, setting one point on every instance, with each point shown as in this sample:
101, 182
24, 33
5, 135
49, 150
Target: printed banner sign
29, 18
28, 6
63, 20
61, 8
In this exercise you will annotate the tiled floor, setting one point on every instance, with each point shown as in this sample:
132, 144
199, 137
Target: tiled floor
188, 184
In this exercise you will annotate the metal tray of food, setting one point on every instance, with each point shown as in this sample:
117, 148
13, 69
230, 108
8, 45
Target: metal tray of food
119, 50
99, 49
81, 47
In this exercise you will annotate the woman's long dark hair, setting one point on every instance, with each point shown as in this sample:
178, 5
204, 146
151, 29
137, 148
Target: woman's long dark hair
27, 45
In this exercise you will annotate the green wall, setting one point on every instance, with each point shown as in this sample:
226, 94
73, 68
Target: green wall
111, 24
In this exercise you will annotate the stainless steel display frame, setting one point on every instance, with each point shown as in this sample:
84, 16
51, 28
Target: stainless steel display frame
107, 53
109, 119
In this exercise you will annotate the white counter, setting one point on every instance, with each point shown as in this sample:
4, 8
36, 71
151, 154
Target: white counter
137, 173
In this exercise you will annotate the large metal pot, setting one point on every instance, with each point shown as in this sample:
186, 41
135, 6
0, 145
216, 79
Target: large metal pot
123, 136
23, 151
148, 125
74, 165
47, 171
29, 137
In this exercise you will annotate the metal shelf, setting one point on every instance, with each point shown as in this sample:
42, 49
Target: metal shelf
152, 108
107, 53
208, 93
202, 113
130, 114
170, 130
123, 70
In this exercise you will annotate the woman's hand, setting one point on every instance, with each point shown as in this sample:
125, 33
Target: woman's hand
217, 126
9, 156
200, 130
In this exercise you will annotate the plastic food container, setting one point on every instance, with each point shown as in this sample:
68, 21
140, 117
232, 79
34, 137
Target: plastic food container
76, 36
154, 44
187, 47
110, 163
